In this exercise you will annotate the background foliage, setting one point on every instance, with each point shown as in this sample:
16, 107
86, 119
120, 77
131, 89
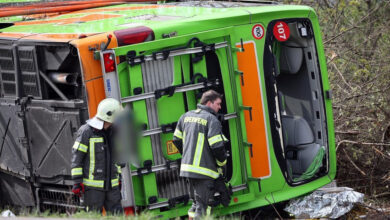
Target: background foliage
356, 36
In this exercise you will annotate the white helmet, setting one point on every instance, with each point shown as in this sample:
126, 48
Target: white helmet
107, 110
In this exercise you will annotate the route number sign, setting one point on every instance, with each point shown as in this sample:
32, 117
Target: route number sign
281, 31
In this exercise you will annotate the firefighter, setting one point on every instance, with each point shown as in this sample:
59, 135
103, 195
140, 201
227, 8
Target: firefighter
93, 170
198, 137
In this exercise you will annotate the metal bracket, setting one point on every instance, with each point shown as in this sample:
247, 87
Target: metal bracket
167, 128
242, 45
247, 144
239, 49
328, 94
238, 72
152, 169
146, 169
132, 59
152, 199
177, 200
170, 201
247, 108
108, 42
162, 92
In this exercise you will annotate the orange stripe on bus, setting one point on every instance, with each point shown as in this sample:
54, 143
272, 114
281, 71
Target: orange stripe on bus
122, 8
55, 37
91, 17
251, 96
13, 35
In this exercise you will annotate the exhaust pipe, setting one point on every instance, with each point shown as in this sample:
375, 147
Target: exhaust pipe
62, 78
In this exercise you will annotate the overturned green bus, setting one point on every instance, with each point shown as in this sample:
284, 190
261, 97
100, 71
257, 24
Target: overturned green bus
157, 59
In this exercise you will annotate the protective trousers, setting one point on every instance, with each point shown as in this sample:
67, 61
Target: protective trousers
96, 199
202, 193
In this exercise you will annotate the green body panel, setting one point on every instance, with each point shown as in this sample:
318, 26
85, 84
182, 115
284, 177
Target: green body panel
180, 17
238, 173
210, 25
328, 102
273, 189
191, 101
268, 184
175, 104
11, 19
171, 108
144, 148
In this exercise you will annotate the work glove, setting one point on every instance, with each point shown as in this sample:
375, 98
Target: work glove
222, 171
225, 191
78, 189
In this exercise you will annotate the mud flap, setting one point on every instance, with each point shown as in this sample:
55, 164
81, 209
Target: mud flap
15, 191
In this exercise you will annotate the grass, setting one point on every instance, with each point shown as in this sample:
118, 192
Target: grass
26, 212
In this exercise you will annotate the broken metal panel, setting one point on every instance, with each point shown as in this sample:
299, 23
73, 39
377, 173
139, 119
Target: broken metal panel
51, 130
15, 191
29, 71
19, 68
8, 72
55, 57
14, 156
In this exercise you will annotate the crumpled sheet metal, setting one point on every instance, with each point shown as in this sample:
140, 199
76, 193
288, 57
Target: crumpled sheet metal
325, 203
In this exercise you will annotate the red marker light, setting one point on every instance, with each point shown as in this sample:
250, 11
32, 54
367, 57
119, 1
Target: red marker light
235, 199
109, 62
129, 211
134, 35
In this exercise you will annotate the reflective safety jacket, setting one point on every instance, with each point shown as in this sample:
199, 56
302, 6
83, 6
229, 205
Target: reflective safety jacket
203, 150
92, 159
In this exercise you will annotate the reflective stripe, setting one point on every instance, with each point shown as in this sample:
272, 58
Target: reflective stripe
191, 214
224, 138
199, 170
215, 139
208, 211
195, 120
83, 148
114, 182
178, 133
94, 183
79, 146
119, 168
77, 171
220, 164
92, 142
199, 149
184, 137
